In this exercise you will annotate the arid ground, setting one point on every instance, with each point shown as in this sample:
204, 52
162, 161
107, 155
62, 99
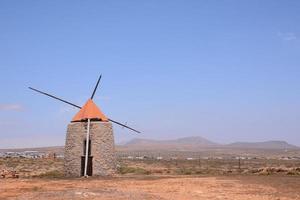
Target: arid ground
154, 187
151, 179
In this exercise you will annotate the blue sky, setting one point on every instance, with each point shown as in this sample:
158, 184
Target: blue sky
225, 70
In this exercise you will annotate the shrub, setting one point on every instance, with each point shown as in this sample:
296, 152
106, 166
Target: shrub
51, 174
133, 170
185, 171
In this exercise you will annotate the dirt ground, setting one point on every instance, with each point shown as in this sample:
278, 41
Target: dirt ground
154, 188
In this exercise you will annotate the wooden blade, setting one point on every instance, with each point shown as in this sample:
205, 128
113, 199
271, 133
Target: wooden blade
54, 97
123, 125
96, 86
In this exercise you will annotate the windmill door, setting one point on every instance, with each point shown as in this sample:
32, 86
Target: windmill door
90, 160
89, 165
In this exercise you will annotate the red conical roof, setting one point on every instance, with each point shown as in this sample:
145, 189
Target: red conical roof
89, 111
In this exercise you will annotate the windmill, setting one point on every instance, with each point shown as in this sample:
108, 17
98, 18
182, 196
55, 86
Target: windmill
89, 127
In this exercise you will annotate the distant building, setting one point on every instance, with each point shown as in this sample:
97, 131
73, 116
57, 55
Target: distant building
24, 154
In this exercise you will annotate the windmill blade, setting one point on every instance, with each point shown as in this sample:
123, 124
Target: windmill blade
54, 97
123, 125
96, 86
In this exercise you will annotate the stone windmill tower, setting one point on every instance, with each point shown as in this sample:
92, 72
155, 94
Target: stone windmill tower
89, 148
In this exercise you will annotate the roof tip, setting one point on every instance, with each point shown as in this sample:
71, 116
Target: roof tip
89, 111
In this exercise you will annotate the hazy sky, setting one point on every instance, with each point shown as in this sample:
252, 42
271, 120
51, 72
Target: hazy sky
225, 70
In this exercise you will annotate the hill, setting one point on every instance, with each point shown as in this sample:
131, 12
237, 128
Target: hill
262, 145
196, 143
187, 143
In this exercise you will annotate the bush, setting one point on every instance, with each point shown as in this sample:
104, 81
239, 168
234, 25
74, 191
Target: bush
51, 174
185, 171
133, 170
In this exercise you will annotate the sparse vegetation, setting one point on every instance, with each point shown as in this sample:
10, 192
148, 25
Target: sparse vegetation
51, 174
53, 168
211, 167
185, 171
28, 167
133, 170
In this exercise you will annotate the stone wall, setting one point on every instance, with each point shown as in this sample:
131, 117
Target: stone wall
102, 148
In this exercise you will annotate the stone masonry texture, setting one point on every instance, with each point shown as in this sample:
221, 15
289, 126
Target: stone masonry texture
102, 148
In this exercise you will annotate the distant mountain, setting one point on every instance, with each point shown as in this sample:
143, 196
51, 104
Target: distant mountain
187, 143
262, 145
195, 143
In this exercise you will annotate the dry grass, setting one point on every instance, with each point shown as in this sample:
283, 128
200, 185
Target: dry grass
133, 170
50, 174
213, 167
31, 167
53, 168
